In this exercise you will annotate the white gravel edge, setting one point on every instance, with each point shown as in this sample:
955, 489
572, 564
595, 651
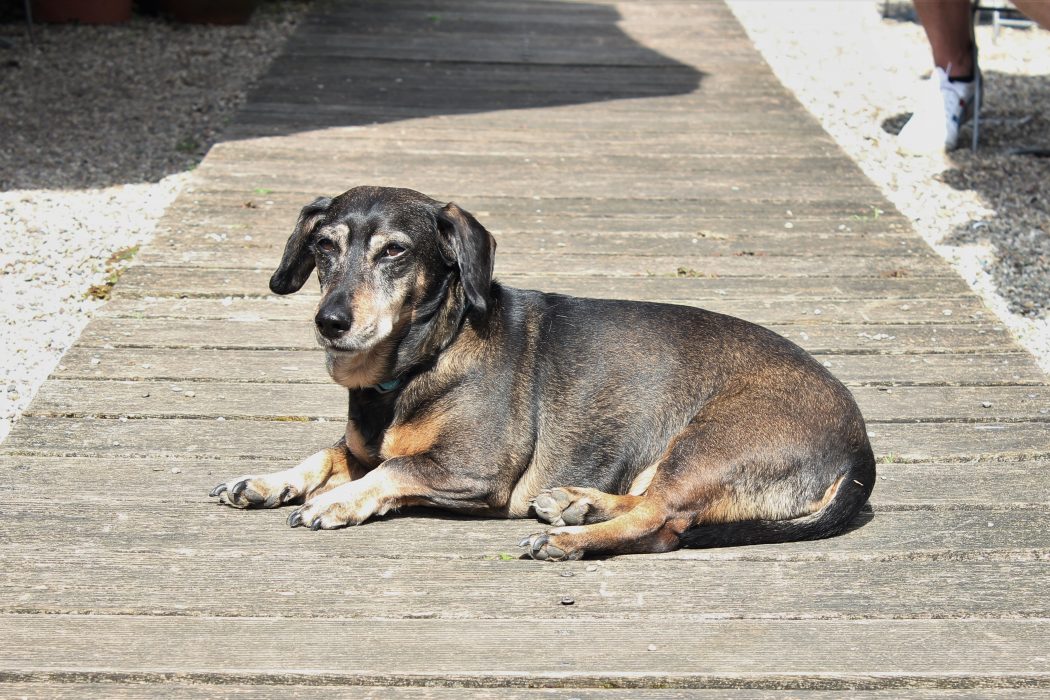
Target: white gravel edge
55, 245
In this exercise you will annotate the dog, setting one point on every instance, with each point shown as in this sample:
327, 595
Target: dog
629, 427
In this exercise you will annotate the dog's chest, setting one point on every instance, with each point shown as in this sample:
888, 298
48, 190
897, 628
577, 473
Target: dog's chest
400, 439
359, 446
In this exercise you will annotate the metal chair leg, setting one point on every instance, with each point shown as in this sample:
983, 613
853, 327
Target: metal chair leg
978, 100
978, 86
29, 21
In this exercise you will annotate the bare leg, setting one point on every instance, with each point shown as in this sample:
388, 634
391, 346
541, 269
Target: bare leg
934, 127
949, 27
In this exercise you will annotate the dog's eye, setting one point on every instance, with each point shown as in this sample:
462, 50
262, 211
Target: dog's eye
392, 250
325, 246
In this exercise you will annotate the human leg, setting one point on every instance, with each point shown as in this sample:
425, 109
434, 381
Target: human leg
949, 28
950, 103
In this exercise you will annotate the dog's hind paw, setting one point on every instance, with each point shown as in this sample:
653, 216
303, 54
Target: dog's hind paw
254, 492
540, 547
561, 507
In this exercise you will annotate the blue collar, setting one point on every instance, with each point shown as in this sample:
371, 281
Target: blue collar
387, 386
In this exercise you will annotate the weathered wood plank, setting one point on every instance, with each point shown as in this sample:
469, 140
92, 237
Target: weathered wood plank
298, 366
644, 92
307, 366
151, 399
62, 689
969, 486
575, 13
945, 369
283, 156
337, 179
635, 70
295, 438
873, 338
528, 212
445, 136
539, 34
580, 253
188, 523
508, 177
514, 86
454, 86
214, 229
792, 653
215, 241
145, 280
763, 311
257, 583
445, 88
693, 264
272, 117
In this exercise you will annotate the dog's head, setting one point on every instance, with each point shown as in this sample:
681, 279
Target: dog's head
387, 259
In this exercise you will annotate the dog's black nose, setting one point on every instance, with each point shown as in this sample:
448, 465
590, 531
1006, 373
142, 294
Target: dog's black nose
332, 322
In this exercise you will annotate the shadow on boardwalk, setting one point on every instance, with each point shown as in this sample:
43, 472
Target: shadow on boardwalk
549, 54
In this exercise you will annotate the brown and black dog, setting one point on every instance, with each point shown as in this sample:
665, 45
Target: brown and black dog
629, 426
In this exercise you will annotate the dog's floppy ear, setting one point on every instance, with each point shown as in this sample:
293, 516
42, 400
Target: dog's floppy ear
298, 263
469, 246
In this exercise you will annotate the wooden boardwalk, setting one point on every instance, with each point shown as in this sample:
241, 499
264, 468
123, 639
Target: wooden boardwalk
633, 149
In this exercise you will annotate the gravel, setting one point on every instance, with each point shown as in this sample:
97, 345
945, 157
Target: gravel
101, 127
987, 213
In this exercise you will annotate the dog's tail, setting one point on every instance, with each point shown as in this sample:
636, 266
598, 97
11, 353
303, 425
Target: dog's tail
833, 519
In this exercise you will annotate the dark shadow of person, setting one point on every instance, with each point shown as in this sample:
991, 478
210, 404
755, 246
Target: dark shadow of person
386, 62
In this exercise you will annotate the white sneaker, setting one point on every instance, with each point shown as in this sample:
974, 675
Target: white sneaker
935, 125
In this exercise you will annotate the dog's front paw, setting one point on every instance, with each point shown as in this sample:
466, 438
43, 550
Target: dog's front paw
327, 517
339, 507
266, 491
544, 546
561, 507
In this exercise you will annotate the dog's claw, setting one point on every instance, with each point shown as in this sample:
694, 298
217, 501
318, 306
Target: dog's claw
535, 545
295, 519
316, 525
218, 489
238, 488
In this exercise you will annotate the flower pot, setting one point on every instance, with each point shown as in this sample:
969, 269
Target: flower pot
209, 11
83, 11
